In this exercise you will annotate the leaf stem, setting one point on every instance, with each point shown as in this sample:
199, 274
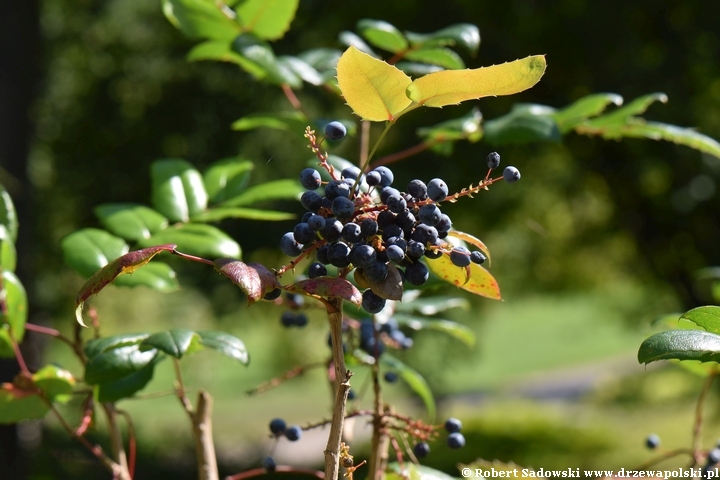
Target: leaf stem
77, 349
697, 429
193, 258
375, 147
408, 152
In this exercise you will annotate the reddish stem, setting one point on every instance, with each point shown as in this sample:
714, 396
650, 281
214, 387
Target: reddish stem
292, 98
193, 258
408, 152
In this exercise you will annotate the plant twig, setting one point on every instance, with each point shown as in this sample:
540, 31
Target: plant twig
697, 429
116, 443
295, 372
77, 349
132, 443
408, 152
256, 472
379, 444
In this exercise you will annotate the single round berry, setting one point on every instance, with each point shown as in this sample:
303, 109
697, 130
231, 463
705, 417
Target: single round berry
388, 192
652, 441
421, 449
386, 176
444, 225
287, 319
332, 230
317, 269
315, 222
477, 257
456, 440
269, 464
392, 231
437, 190
311, 201
321, 255
493, 160
415, 249
453, 425
352, 172
417, 189
303, 233
289, 246
371, 302
339, 254
511, 174
277, 426
429, 214
395, 253
293, 433
425, 234
713, 456
335, 130
368, 227
385, 218
376, 271
343, 207
351, 394
363, 256
417, 273
406, 220
300, 320
337, 188
460, 256
396, 203
351, 232
272, 294
391, 377
310, 179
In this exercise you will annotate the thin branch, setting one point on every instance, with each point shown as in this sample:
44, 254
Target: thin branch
77, 349
18, 354
295, 372
193, 258
116, 441
408, 152
664, 456
132, 443
697, 429
202, 433
379, 443
364, 141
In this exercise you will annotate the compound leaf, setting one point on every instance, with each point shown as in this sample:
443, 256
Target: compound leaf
382, 34
130, 220
178, 191
252, 278
268, 19
680, 345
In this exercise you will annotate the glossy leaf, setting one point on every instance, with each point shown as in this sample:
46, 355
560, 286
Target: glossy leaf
116, 363
56, 383
443, 57
294, 122
374, 89
8, 214
178, 191
302, 69
412, 471
97, 346
175, 342
472, 240
454, 329
227, 178
284, 189
221, 213
707, 317
525, 123
128, 385
226, 344
8, 254
619, 116
454, 86
467, 127
156, 275
17, 404
589, 106
197, 239
414, 380
430, 305
125, 264
88, 250
474, 278
681, 345
252, 278
261, 53
328, 287
268, 19
323, 60
17, 311
201, 19
465, 35
130, 220
382, 34
220, 51
349, 39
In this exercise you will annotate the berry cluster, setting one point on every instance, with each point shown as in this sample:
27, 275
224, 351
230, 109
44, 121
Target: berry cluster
455, 439
279, 428
362, 222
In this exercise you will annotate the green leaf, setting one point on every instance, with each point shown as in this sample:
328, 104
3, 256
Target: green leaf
619, 116
707, 317
382, 34
201, 19
8, 215
638, 128
465, 35
467, 127
18, 404
116, 363
374, 89
351, 40
680, 345
276, 190
450, 87
443, 57
261, 53
454, 329
525, 123
302, 69
56, 383
221, 213
17, 310
227, 178
128, 385
415, 381
252, 278
197, 239
220, 51
432, 305
97, 346
175, 342
323, 60
590, 106
268, 19
294, 122
415, 472
88, 250
130, 220
226, 344
178, 191
157, 275
8, 254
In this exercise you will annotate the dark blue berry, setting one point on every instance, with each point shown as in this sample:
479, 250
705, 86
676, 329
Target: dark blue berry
417, 189
396, 203
444, 225
460, 256
311, 201
389, 326
453, 425
272, 294
437, 190
289, 246
421, 449
293, 433
277, 426
493, 160
371, 302
321, 255
300, 320
287, 319
433, 254
477, 257
391, 231
417, 273
386, 176
388, 192
339, 254
351, 394
352, 172
368, 227
385, 218
316, 269
373, 178
429, 214
303, 233
376, 271
269, 464
406, 220
310, 179
652, 441
395, 254
425, 234
332, 230
511, 174
713, 456
456, 440
315, 222
363, 256
335, 130
391, 377
351, 232
337, 188
343, 207
415, 249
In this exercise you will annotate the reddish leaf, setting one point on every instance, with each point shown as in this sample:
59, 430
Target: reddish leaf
252, 278
127, 263
329, 287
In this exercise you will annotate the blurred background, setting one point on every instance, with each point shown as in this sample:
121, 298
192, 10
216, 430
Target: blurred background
597, 240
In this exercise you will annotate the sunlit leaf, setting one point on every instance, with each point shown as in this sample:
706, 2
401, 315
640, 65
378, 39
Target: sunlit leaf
178, 191
130, 220
156, 275
175, 342
14, 320
220, 51
221, 213
201, 19
116, 363
294, 122
17, 404
284, 189
467, 127
620, 115
525, 123
374, 89
680, 345
261, 53
382, 34
252, 278
451, 87
328, 287
586, 107
415, 381
56, 383
349, 39
479, 281
227, 178
302, 69
472, 240
465, 35
96, 346
88, 250
707, 317
8, 254
197, 239
443, 57
226, 344
454, 329
268, 19
8, 215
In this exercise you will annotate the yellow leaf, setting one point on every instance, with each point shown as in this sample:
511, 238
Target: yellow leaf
472, 240
451, 87
374, 89
479, 281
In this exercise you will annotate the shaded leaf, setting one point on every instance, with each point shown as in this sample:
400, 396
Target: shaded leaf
18, 404
128, 385
220, 51
589, 106
221, 213
14, 320
479, 281
97, 346
252, 278
88, 250
443, 57
294, 122
472, 240
707, 317
284, 189
157, 275
116, 363
328, 287
323, 60
178, 191
466, 35
454, 329
382, 34
226, 344
349, 39
450, 87
201, 19
302, 69
680, 345
620, 115
525, 123
127, 263
227, 178
8, 254
261, 53
268, 19
414, 380
56, 383
175, 342
197, 239
374, 89
8, 214
467, 127
130, 220
391, 288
